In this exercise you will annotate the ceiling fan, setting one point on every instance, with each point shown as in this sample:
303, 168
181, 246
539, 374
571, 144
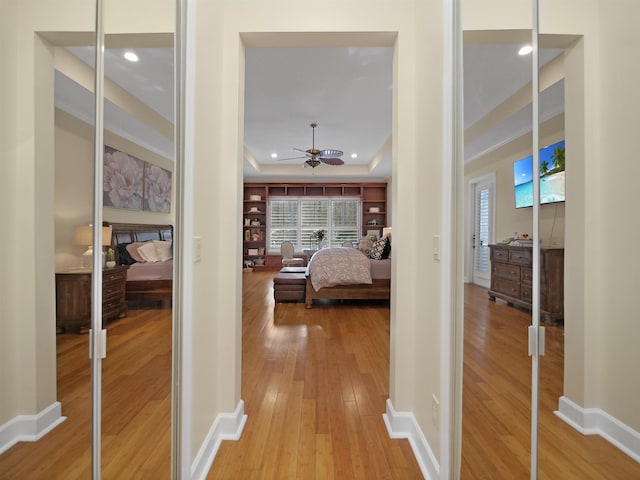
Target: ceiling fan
315, 157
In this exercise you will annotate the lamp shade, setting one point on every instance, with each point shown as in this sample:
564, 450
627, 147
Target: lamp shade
83, 235
386, 232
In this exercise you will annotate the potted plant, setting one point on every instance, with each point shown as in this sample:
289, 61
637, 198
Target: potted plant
111, 258
319, 236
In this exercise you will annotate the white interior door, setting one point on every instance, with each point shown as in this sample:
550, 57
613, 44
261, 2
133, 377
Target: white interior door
482, 231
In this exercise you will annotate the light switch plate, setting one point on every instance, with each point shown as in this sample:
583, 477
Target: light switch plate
197, 249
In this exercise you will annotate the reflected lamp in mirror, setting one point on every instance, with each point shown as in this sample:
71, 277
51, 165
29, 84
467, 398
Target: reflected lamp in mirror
83, 235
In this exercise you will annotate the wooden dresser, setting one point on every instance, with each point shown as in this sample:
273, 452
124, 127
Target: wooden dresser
73, 297
511, 278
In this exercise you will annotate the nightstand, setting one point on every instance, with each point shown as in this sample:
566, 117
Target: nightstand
73, 298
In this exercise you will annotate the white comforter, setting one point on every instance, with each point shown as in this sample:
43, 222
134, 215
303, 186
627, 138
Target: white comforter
338, 266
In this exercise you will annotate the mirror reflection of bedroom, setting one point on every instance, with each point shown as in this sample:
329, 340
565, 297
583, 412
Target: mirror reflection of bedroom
138, 217
498, 292
498, 176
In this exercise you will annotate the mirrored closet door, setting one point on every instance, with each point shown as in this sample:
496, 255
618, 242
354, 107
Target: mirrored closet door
555, 277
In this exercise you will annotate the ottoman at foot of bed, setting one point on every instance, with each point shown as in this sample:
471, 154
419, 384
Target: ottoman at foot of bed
289, 286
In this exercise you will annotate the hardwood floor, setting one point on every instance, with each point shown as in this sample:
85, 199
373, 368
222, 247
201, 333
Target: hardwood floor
136, 419
497, 403
314, 384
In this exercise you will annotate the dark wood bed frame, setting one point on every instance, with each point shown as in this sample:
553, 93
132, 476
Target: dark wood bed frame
145, 290
380, 289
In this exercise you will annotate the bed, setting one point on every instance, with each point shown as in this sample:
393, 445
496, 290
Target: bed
358, 277
146, 281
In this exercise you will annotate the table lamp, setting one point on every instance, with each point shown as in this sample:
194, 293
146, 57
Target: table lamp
83, 235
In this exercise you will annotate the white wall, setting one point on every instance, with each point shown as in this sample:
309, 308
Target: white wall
603, 74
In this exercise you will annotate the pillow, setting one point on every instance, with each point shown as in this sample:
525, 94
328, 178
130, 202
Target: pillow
148, 252
365, 246
378, 248
124, 257
132, 248
386, 253
163, 250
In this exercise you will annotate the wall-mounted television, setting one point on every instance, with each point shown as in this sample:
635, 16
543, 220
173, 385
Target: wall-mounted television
551, 177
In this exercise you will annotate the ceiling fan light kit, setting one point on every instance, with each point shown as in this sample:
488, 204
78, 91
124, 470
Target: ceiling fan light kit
315, 157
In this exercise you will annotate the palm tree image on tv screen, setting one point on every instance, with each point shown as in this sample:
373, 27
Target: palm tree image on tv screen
552, 177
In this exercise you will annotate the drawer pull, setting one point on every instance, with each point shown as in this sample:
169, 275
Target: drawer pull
513, 273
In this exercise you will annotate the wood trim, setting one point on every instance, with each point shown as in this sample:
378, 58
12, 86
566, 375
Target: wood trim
380, 289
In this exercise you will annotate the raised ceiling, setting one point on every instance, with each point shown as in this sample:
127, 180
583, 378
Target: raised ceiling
346, 91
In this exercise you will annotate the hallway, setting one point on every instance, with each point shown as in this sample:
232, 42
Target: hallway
315, 383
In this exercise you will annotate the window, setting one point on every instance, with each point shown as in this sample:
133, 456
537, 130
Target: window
294, 219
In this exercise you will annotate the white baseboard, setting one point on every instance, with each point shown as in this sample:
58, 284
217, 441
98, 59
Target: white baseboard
594, 421
227, 426
405, 425
30, 428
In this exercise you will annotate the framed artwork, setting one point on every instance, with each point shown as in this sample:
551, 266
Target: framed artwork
122, 180
157, 188
134, 184
373, 233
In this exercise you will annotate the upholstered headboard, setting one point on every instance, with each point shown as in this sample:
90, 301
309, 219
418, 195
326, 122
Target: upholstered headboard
123, 233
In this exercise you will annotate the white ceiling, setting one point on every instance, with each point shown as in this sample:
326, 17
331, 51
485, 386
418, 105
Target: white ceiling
346, 91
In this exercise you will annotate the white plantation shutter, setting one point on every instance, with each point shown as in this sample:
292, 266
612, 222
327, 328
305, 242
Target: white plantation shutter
314, 215
482, 229
296, 218
283, 222
345, 215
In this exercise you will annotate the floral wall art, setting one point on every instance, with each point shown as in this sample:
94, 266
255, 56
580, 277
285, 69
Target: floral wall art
157, 189
134, 184
122, 180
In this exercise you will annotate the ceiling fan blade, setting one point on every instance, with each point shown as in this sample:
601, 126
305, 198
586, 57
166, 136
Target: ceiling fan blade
290, 158
332, 161
330, 152
308, 153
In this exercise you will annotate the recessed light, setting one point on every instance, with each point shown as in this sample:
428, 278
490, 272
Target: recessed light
132, 57
526, 50
274, 155
354, 155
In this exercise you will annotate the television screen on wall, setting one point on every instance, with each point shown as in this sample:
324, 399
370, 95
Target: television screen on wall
551, 177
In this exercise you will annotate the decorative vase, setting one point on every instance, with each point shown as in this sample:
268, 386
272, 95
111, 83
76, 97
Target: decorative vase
111, 263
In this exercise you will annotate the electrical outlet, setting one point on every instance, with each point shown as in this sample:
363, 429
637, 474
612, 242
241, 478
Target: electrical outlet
435, 410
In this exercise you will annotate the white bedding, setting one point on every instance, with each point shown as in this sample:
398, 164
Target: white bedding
150, 271
339, 266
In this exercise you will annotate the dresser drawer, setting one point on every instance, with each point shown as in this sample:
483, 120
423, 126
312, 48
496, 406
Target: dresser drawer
511, 289
520, 256
526, 275
112, 289
505, 270
113, 308
115, 275
499, 254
